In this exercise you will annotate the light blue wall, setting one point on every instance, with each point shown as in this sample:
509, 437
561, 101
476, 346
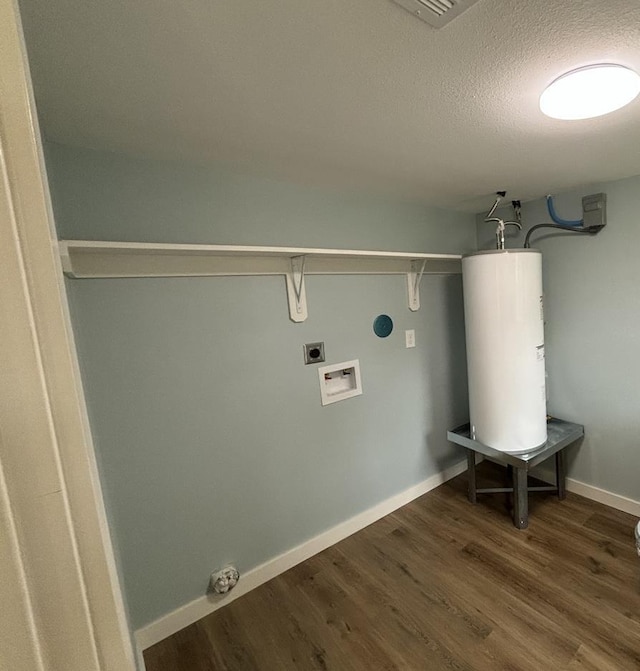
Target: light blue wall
212, 443
592, 330
105, 196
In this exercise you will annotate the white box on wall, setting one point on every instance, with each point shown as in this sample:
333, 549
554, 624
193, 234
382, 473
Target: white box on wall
340, 381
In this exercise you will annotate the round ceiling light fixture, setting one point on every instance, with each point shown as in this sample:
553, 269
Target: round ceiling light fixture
590, 91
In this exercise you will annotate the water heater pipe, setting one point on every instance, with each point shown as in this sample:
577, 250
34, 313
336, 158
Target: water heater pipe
501, 223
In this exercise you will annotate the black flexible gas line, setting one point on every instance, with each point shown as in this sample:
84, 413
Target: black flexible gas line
591, 230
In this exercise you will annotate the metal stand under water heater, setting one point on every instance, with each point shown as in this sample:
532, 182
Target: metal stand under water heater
503, 309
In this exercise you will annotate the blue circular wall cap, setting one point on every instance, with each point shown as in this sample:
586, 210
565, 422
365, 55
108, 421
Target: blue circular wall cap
382, 326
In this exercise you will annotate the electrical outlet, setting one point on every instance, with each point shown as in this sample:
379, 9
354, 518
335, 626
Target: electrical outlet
314, 352
410, 338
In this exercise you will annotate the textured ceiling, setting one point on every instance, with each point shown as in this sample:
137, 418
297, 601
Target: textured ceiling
354, 93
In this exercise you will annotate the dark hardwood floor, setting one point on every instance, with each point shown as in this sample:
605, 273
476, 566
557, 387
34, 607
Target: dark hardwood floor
440, 584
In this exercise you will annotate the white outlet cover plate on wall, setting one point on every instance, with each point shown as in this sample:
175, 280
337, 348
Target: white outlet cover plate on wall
410, 338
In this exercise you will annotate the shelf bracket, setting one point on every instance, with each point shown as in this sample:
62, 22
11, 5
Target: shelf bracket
413, 284
296, 293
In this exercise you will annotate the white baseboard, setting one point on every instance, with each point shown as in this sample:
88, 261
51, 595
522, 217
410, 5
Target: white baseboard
191, 612
610, 499
592, 492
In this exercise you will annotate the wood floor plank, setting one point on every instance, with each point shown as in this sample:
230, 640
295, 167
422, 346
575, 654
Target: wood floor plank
393, 623
614, 526
495, 603
592, 658
352, 628
227, 650
440, 585
186, 650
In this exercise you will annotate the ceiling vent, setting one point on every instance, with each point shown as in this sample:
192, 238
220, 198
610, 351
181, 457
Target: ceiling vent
436, 13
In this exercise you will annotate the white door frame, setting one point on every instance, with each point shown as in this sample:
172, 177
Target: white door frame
61, 602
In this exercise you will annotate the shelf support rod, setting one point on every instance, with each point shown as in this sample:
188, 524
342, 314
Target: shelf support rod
296, 293
414, 276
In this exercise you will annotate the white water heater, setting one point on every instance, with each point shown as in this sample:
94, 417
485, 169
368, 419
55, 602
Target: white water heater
505, 348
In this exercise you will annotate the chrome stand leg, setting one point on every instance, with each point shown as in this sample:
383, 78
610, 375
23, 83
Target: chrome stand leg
471, 476
561, 475
520, 498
